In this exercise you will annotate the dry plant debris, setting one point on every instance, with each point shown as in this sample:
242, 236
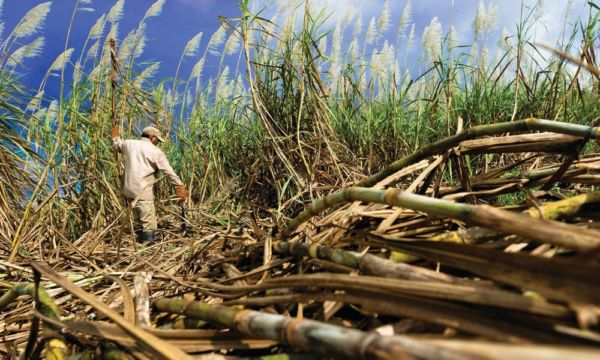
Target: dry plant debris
406, 267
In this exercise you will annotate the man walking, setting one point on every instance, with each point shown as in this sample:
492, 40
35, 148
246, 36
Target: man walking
142, 159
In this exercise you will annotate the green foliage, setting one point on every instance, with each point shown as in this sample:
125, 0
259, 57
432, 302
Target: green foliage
291, 120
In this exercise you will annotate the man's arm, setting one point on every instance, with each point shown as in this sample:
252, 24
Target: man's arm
163, 165
117, 142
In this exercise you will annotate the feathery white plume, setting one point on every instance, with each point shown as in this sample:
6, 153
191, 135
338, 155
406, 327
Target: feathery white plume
192, 46
335, 72
485, 18
30, 50
32, 21
1, 28
505, 42
188, 97
113, 33
77, 72
86, 9
362, 84
358, 24
85, 2
353, 49
411, 38
209, 87
222, 84
140, 44
197, 69
405, 19
61, 61
217, 40
168, 99
233, 43
382, 61
133, 45
35, 101
93, 50
371, 32
432, 39
474, 54
98, 28
52, 114
97, 71
348, 16
146, 74
238, 88
484, 58
105, 57
126, 48
288, 26
452, 37
491, 16
384, 19
336, 44
389, 55
116, 12
322, 45
155, 9
40, 114
268, 27
478, 23
1, 6
375, 64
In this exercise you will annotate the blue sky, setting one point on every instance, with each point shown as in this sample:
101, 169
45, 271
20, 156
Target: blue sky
167, 34
182, 19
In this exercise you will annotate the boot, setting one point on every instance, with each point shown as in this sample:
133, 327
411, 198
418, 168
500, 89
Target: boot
146, 235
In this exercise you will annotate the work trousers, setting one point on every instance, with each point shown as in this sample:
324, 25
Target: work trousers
144, 214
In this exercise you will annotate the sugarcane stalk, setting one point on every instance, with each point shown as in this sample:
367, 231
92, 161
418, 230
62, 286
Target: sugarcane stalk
367, 263
447, 143
309, 335
552, 211
488, 296
561, 279
467, 319
542, 230
56, 349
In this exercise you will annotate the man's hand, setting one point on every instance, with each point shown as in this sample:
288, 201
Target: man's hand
114, 132
182, 192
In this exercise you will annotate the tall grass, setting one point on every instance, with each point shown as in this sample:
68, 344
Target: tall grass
297, 109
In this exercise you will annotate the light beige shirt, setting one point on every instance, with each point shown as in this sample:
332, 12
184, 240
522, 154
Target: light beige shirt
142, 160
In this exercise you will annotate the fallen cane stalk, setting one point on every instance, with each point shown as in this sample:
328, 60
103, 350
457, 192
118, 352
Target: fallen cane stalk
375, 265
310, 335
445, 144
545, 231
368, 263
550, 211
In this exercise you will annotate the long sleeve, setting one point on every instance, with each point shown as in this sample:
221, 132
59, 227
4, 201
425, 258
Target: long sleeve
163, 165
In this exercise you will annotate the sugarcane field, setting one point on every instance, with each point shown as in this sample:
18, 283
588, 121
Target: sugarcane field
300, 179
